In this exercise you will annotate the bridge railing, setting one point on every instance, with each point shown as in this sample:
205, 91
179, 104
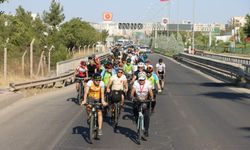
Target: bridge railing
237, 73
233, 59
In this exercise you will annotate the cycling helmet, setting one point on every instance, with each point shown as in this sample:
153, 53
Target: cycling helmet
148, 61
97, 76
83, 63
140, 64
129, 60
142, 76
160, 60
108, 66
150, 69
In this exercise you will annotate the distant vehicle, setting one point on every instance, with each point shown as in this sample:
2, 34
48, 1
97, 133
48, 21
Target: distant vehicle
145, 49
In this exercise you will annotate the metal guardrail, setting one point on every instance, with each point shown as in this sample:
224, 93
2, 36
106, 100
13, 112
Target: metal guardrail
51, 82
41, 83
232, 59
236, 72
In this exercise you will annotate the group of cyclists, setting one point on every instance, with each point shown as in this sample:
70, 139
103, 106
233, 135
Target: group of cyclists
123, 75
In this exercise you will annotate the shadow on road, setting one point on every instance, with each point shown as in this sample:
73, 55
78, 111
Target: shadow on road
131, 134
235, 97
74, 100
245, 129
83, 131
213, 84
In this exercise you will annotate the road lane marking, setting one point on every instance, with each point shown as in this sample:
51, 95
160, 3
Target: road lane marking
193, 130
183, 114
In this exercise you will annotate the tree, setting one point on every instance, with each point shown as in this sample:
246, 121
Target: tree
76, 33
55, 15
246, 27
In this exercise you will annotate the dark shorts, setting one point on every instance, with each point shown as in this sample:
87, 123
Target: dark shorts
116, 96
161, 75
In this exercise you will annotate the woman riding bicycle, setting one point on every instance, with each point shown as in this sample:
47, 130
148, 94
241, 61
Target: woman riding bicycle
95, 92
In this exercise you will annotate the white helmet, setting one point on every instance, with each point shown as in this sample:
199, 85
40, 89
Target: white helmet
140, 64
142, 76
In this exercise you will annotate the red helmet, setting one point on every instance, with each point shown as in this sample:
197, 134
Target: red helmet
108, 66
83, 63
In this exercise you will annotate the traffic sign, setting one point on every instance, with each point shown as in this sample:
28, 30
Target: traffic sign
165, 21
107, 16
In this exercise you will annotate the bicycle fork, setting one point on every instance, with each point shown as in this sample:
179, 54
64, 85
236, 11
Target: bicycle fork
140, 122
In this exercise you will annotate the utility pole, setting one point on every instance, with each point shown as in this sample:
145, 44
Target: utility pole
193, 25
49, 58
5, 59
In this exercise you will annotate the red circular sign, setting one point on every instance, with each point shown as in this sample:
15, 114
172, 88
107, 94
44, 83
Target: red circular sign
107, 16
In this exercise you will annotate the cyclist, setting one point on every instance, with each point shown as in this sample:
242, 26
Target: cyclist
140, 67
160, 71
106, 75
142, 90
95, 91
153, 80
119, 86
128, 69
81, 72
92, 69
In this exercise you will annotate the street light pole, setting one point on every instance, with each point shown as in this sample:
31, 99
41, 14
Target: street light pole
193, 25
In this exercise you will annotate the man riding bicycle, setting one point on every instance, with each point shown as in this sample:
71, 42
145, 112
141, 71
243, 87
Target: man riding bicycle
128, 69
153, 79
95, 92
119, 85
142, 91
160, 71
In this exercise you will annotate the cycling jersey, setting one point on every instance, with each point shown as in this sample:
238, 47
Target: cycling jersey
81, 71
118, 83
128, 69
153, 79
95, 91
106, 76
142, 90
160, 67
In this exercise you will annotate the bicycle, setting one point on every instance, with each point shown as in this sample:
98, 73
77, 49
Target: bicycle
140, 119
93, 119
116, 114
115, 109
81, 90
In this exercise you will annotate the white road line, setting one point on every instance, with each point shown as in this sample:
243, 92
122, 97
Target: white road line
183, 114
193, 130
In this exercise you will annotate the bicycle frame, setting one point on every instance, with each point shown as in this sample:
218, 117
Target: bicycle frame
93, 117
140, 120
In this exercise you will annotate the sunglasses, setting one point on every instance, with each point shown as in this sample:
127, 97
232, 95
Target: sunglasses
98, 80
120, 72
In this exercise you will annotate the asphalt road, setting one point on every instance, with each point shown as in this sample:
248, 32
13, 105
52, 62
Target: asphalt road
193, 113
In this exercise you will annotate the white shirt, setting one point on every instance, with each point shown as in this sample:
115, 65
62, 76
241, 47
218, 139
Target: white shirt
160, 67
118, 83
142, 90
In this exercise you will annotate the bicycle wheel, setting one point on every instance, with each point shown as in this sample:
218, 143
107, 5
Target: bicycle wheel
79, 95
139, 130
91, 129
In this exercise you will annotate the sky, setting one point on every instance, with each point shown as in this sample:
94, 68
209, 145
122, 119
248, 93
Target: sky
140, 11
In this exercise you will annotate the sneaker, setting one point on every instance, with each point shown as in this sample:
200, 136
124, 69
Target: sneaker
100, 132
